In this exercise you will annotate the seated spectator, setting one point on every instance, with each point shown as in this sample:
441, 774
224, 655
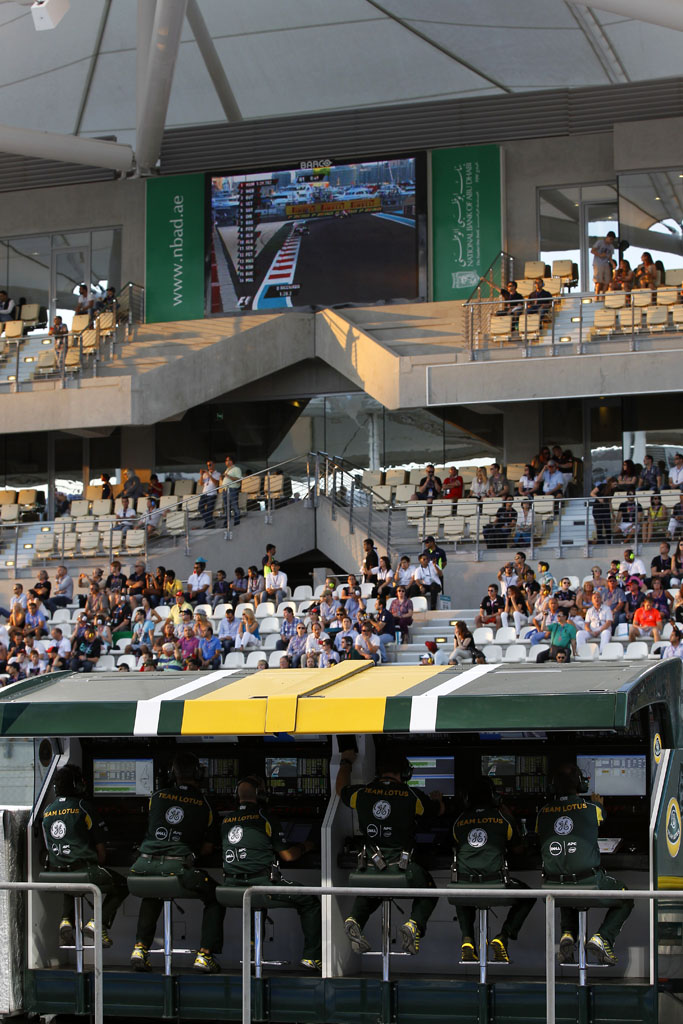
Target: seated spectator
550, 480
85, 300
479, 488
544, 575
210, 650
544, 621
132, 488
297, 644
674, 648
172, 586
597, 624
661, 600
248, 632
427, 580
655, 520
453, 485
177, 609
368, 645
137, 584
383, 578
188, 644
86, 652
198, 583
661, 566
330, 611
675, 525
7, 309
513, 302
646, 621
676, 472
645, 274
507, 577
628, 477
285, 662
350, 596
63, 590
524, 524
404, 573
498, 484
650, 478
155, 488
516, 607
540, 460
429, 487
275, 585
107, 302
490, 608
43, 587
540, 300
314, 642
497, 533
152, 518
228, 630
622, 279
328, 656
347, 651
287, 629
255, 586
18, 598
565, 596
463, 644
125, 517
58, 646
632, 564
615, 600
236, 590
347, 630
562, 636
168, 661
143, 631
97, 603
402, 610
526, 485
383, 626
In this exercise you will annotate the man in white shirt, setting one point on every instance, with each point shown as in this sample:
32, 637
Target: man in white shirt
676, 472
405, 572
632, 565
18, 597
550, 480
598, 624
198, 583
209, 479
426, 580
126, 517
58, 646
314, 641
367, 644
276, 584
231, 481
63, 590
85, 300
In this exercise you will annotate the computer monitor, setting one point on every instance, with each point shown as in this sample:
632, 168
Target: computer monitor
496, 765
625, 775
123, 776
282, 767
433, 773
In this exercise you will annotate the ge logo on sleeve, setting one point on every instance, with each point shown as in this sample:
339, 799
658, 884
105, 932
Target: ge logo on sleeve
563, 826
174, 815
235, 834
58, 830
381, 810
477, 838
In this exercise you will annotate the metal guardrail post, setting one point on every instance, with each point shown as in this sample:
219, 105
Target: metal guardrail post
316, 484
16, 547
16, 368
187, 532
352, 498
477, 554
550, 959
558, 503
587, 507
552, 337
533, 527
470, 320
580, 328
334, 492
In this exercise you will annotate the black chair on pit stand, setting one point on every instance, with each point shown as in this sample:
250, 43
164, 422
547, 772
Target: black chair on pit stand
232, 896
167, 888
566, 901
395, 879
483, 904
77, 878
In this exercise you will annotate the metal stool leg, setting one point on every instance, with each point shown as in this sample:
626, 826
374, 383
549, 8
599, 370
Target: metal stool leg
168, 935
582, 937
258, 939
78, 932
386, 938
483, 943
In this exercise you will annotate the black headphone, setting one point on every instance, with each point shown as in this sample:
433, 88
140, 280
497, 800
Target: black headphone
559, 780
400, 765
259, 785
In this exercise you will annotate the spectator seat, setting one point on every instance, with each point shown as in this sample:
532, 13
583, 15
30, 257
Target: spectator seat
183, 488
587, 652
205, 609
67, 544
30, 313
534, 652
614, 300
89, 341
554, 286
93, 492
105, 663
106, 323
135, 541
419, 604
372, 477
253, 659
44, 544
27, 497
251, 487
61, 615
234, 659
613, 651
395, 477
505, 635
269, 624
493, 654
454, 528
404, 492
8, 497
501, 327
604, 321
218, 613
670, 497
14, 330
667, 629
102, 507
265, 609
9, 513
534, 269
381, 496
273, 485
90, 543
270, 641
637, 650
416, 511
667, 296
656, 650
563, 269
72, 362
530, 325
483, 635
292, 604
47, 363
79, 509
127, 659
416, 475
441, 508
468, 507
677, 317
641, 297
514, 653
657, 318
167, 501
80, 322
302, 593
274, 659
525, 286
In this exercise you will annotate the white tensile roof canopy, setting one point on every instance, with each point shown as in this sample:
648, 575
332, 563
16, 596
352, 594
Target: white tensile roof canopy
127, 69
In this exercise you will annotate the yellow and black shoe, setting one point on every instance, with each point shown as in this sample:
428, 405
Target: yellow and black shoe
410, 937
354, 933
139, 959
468, 951
205, 964
89, 932
66, 932
312, 963
567, 948
499, 949
601, 950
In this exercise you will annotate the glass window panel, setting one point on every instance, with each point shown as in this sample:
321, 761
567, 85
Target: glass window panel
651, 218
105, 260
70, 273
28, 277
70, 239
559, 224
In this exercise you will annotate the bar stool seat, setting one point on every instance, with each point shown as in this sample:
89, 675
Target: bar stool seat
371, 878
582, 907
483, 903
232, 896
166, 888
77, 878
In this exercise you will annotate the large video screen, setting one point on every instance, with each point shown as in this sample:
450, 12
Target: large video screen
319, 235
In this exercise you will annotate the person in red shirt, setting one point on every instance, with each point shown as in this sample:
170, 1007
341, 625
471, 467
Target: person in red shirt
646, 621
453, 485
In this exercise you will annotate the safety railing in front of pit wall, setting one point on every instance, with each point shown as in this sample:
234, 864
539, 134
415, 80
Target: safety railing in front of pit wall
573, 324
76, 889
549, 897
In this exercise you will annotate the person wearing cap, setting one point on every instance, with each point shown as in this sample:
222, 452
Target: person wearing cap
275, 584
507, 577
180, 606
198, 583
550, 480
435, 553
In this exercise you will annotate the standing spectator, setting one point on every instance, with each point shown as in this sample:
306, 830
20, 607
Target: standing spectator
602, 252
655, 521
524, 524
107, 493
231, 482
370, 560
602, 509
152, 518
209, 479
429, 487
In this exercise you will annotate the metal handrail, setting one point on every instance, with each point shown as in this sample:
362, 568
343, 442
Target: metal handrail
96, 893
547, 895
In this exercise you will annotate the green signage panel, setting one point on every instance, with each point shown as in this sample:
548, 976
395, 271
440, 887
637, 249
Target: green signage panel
467, 221
174, 279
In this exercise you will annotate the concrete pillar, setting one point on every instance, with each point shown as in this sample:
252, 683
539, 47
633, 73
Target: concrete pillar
374, 440
85, 461
137, 448
521, 431
50, 475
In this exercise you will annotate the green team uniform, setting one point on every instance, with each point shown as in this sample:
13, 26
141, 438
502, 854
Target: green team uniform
387, 814
568, 832
481, 836
179, 820
71, 832
251, 839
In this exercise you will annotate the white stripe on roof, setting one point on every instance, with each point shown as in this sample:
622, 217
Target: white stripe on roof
423, 707
147, 712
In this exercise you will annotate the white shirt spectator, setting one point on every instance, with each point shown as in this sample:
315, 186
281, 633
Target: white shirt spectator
198, 581
367, 645
404, 577
505, 582
634, 568
210, 481
551, 481
527, 484
339, 637
125, 518
676, 476
64, 587
63, 647
673, 652
19, 599
313, 642
327, 658
276, 581
597, 617
427, 575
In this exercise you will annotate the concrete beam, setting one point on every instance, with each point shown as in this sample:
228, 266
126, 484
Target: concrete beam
668, 13
67, 148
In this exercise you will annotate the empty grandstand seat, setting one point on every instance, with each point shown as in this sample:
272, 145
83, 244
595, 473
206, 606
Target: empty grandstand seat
90, 543
381, 496
614, 300
269, 624
416, 511
302, 593
253, 659
656, 650
454, 528
677, 317
612, 652
47, 362
30, 313
72, 362
554, 286
27, 497
265, 609
563, 269
534, 268
9, 513
134, 541
657, 318
105, 663
14, 330
483, 635
273, 485
93, 492
587, 652
67, 544
515, 652
669, 497
630, 317
372, 477
250, 488
525, 287
419, 604
44, 544
235, 659
106, 323
637, 650
404, 492
8, 497
468, 507
493, 654
167, 501
530, 325
102, 506
395, 477
442, 508
416, 475
641, 297
79, 509
505, 635
604, 321
80, 322
535, 651
89, 341
292, 603
183, 488
667, 296
501, 327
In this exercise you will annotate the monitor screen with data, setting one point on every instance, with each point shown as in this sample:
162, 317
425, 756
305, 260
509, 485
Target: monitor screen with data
431, 773
625, 775
118, 776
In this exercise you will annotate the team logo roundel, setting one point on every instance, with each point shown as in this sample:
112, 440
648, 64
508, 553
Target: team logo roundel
673, 827
57, 829
382, 809
563, 826
174, 815
235, 834
477, 838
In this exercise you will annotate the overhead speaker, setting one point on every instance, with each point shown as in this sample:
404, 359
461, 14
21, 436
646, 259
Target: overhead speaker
48, 13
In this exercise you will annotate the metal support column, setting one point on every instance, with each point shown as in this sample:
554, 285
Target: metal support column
50, 476
168, 25
212, 61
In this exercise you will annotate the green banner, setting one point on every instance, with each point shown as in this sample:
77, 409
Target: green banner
174, 278
467, 223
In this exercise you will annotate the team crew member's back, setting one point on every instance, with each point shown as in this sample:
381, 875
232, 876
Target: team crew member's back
178, 831
388, 810
75, 841
252, 840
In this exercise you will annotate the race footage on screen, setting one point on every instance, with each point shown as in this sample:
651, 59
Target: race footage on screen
316, 236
